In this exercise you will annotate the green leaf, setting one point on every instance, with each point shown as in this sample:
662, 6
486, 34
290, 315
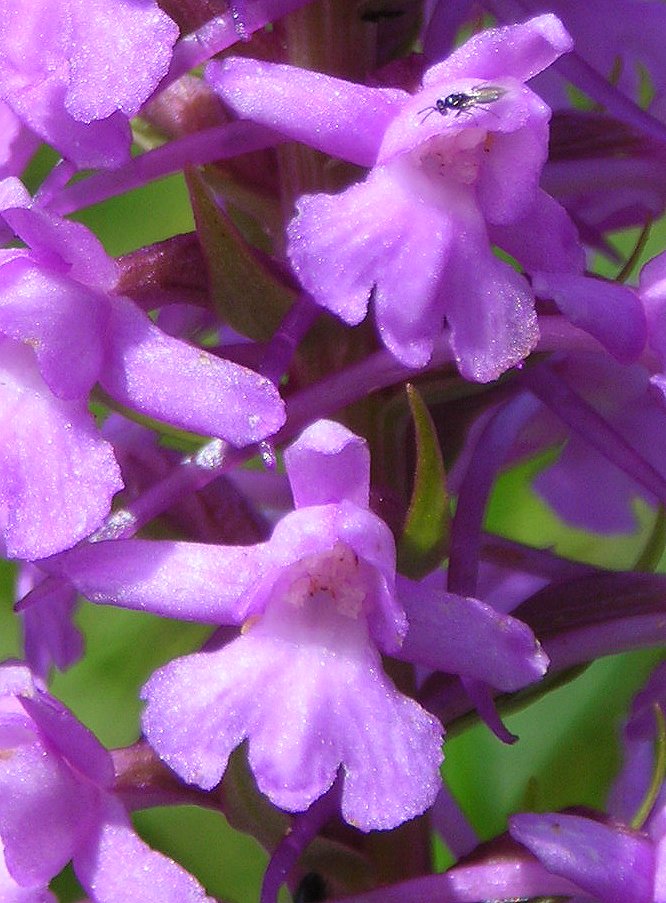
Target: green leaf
653, 550
425, 539
249, 294
658, 771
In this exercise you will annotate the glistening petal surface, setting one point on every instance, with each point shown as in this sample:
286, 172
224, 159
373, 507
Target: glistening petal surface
186, 580
328, 463
612, 864
45, 810
377, 239
306, 710
114, 865
149, 370
59, 476
522, 50
340, 118
62, 320
464, 636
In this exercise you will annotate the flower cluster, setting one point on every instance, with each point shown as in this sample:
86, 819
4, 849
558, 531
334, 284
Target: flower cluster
328, 423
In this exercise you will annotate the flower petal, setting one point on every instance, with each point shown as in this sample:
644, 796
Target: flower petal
70, 739
544, 238
186, 580
612, 313
61, 319
50, 637
306, 710
490, 307
59, 84
203, 703
392, 754
314, 529
308, 532
467, 637
34, 77
521, 50
104, 31
614, 865
11, 892
524, 150
17, 143
155, 373
338, 117
45, 811
378, 238
652, 288
514, 120
328, 463
114, 865
13, 193
59, 476
74, 247
588, 491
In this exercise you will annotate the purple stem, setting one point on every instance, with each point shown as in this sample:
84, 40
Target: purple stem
577, 621
224, 30
589, 644
54, 182
376, 371
555, 394
541, 562
216, 456
282, 346
304, 829
321, 399
488, 456
568, 178
142, 781
583, 619
450, 822
192, 474
557, 334
580, 73
211, 144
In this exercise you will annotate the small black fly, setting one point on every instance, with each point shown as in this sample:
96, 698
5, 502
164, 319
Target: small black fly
461, 102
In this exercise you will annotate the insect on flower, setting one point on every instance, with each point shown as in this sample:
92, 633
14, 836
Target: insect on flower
461, 102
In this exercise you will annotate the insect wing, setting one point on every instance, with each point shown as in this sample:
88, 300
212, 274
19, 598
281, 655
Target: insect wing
487, 94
